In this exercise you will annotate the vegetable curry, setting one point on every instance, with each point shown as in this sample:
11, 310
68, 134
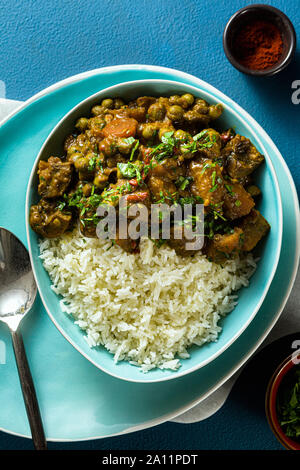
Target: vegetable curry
154, 150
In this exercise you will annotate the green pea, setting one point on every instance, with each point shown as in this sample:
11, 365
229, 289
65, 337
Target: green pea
148, 131
156, 112
107, 103
181, 135
72, 156
124, 146
175, 113
81, 163
100, 180
174, 99
187, 99
215, 111
82, 124
163, 130
97, 110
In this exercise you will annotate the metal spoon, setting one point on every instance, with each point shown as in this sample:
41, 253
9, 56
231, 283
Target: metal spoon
17, 295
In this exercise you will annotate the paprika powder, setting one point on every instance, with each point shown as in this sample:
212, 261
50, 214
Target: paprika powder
258, 45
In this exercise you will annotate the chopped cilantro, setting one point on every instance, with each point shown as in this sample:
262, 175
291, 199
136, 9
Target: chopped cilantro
166, 148
204, 141
134, 149
190, 200
61, 205
183, 182
213, 177
213, 188
92, 163
130, 170
229, 189
288, 404
208, 165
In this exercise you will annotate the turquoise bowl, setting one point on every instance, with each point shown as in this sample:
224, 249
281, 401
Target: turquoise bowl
249, 299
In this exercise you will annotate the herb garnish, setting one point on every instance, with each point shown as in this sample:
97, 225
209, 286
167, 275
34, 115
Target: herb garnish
74, 199
215, 222
166, 148
183, 182
213, 177
208, 165
229, 189
288, 405
61, 205
167, 196
190, 200
213, 188
134, 148
92, 163
91, 220
130, 170
203, 139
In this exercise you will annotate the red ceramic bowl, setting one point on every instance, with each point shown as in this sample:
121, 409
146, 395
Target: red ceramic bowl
271, 400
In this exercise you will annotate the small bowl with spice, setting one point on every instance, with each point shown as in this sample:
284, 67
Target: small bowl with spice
259, 40
283, 402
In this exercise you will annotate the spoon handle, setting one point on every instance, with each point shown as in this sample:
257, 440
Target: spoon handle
30, 399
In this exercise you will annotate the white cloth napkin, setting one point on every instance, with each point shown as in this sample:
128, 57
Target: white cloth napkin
7, 106
289, 322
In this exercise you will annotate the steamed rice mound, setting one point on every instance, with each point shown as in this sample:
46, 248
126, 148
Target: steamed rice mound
147, 308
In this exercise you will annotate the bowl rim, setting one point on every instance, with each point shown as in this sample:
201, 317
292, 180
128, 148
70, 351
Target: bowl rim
276, 68
209, 96
271, 399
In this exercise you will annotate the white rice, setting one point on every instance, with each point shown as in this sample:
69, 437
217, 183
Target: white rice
147, 308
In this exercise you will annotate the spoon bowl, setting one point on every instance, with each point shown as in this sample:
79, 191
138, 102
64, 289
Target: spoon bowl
17, 295
17, 285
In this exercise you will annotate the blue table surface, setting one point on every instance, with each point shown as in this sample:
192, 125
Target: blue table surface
44, 42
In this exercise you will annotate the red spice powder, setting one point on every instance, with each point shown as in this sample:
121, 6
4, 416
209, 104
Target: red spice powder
259, 45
